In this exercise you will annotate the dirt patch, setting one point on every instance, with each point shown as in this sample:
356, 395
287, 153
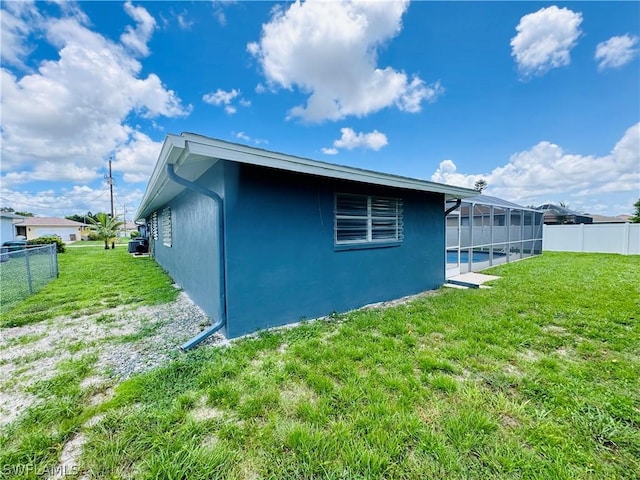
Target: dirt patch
509, 421
295, 393
529, 355
69, 457
512, 370
203, 413
555, 329
565, 352
132, 341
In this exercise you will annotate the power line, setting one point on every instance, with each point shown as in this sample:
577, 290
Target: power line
45, 192
11, 201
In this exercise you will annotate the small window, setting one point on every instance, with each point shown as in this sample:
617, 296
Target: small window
166, 227
154, 226
367, 219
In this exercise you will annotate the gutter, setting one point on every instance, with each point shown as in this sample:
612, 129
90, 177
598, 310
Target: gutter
449, 210
221, 257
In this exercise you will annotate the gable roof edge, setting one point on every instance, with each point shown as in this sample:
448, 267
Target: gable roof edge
178, 150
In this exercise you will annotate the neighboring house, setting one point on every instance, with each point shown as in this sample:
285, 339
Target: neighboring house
7, 230
260, 239
606, 219
126, 229
557, 215
35, 227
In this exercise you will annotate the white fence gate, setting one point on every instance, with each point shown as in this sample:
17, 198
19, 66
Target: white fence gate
621, 238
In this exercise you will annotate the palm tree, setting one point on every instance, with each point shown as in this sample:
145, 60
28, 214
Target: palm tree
106, 226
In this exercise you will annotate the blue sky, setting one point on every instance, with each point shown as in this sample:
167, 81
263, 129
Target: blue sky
540, 99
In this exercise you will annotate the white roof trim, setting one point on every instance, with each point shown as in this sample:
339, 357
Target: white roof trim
186, 148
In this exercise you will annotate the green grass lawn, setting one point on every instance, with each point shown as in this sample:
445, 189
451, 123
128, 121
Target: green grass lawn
538, 377
119, 242
14, 281
91, 279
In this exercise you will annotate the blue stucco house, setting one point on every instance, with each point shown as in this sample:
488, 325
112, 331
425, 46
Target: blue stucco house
260, 239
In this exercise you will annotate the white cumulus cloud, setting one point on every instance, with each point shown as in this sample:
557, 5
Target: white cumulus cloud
17, 20
545, 39
78, 199
447, 172
46, 170
135, 160
137, 38
222, 98
62, 121
328, 51
246, 138
548, 171
616, 52
329, 150
350, 140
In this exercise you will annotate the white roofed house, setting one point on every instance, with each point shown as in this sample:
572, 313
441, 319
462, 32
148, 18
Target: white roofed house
126, 228
7, 228
36, 227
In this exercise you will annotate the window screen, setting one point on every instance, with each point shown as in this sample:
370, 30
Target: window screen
367, 219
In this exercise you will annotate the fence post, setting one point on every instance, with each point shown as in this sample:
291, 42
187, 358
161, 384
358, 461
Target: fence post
26, 258
52, 268
625, 238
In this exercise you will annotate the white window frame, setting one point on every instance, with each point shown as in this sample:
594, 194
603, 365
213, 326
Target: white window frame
396, 209
166, 227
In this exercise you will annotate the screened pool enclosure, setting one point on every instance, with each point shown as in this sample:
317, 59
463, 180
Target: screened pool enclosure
485, 231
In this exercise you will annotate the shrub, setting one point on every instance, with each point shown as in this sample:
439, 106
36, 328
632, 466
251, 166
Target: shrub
60, 247
93, 236
134, 234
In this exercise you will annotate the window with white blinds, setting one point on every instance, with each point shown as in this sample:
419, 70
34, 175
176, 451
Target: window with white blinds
154, 226
367, 219
166, 227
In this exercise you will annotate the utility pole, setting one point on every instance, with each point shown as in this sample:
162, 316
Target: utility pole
110, 182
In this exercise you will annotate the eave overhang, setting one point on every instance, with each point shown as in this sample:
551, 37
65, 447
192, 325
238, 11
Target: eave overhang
193, 154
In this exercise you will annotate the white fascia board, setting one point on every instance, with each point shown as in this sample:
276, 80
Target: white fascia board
183, 150
172, 148
239, 153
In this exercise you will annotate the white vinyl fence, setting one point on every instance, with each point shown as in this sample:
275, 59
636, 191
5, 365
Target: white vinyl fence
621, 238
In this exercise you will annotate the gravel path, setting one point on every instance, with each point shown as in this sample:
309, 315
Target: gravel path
126, 340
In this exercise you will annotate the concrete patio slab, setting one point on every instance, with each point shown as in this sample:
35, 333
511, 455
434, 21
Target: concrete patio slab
472, 280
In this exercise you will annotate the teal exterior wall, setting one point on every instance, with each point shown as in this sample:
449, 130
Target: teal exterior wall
192, 259
281, 262
282, 265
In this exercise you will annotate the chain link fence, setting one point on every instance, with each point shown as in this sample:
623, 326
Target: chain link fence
25, 271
